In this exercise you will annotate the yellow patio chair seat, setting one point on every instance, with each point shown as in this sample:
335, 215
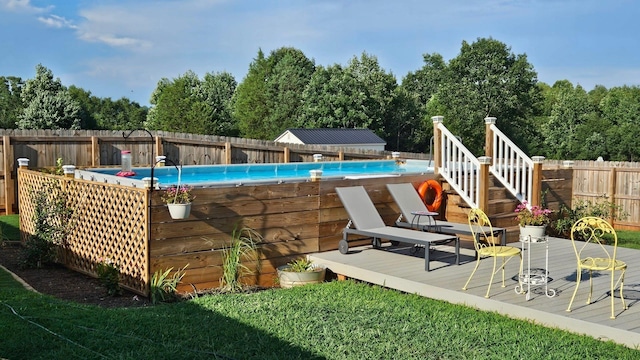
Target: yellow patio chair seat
486, 243
593, 254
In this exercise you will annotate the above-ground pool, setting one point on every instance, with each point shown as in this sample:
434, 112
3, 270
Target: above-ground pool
246, 174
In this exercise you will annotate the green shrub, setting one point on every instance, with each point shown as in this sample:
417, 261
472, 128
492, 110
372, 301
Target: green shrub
109, 274
300, 265
52, 219
601, 208
243, 247
163, 287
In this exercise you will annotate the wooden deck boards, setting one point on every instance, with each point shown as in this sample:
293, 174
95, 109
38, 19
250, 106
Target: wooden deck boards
395, 267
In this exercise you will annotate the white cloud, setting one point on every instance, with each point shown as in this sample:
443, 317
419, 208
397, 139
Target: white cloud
56, 21
23, 6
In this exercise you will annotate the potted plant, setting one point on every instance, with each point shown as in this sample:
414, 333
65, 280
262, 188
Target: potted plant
532, 220
300, 272
178, 200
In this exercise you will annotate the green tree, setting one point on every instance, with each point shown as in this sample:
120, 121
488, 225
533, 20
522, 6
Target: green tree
486, 79
268, 100
621, 116
250, 100
570, 110
187, 104
217, 90
48, 104
10, 101
361, 95
419, 89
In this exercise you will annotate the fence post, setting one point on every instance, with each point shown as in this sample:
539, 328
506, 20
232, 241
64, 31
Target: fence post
612, 193
437, 138
9, 183
227, 153
158, 145
483, 190
287, 155
488, 136
95, 151
536, 182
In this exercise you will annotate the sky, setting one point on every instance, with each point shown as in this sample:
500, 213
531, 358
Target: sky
122, 48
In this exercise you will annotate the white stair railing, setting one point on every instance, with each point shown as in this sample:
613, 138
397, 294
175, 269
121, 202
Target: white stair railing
511, 166
459, 167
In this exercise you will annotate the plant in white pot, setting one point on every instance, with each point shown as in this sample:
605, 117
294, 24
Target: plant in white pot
178, 199
300, 272
532, 220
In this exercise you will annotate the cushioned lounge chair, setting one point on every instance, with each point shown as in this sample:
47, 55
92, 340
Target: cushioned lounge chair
411, 206
367, 222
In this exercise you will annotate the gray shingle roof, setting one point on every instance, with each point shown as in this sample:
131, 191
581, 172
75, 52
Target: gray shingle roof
337, 136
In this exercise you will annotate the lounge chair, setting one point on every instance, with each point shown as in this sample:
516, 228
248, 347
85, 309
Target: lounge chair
415, 215
367, 221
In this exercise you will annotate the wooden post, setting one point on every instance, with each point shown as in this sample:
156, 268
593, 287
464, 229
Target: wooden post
612, 193
9, 183
488, 136
287, 155
437, 138
159, 148
341, 155
227, 153
483, 195
536, 184
95, 151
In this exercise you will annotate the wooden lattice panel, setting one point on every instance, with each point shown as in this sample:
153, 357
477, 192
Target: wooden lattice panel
109, 221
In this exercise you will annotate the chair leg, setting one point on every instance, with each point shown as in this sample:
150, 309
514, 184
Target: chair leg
613, 314
503, 265
624, 305
493, 273
578, 277
590, 287
473, 272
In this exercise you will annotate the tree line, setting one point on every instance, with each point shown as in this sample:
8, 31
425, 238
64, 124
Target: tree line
285, 89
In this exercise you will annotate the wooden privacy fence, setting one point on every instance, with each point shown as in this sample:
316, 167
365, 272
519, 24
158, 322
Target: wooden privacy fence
108, 221
94, 148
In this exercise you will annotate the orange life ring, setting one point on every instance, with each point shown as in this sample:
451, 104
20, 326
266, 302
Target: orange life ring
427, 190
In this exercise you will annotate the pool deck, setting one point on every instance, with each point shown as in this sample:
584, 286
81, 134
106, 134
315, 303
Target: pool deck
394, 267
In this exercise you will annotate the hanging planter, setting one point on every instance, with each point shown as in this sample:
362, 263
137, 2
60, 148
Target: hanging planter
178, 199
179, 211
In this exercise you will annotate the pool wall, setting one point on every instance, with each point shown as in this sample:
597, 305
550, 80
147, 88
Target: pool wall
294, 218
133, 227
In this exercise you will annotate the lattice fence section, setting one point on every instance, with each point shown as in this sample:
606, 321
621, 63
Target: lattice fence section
108, 221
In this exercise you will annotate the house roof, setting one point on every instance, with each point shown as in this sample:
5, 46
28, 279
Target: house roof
336, 136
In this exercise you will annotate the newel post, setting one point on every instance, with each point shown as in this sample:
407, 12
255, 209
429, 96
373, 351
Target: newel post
483, 191
536, 186
488, 136
437, 143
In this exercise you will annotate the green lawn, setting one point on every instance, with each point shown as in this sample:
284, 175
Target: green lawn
10, 227
336, 320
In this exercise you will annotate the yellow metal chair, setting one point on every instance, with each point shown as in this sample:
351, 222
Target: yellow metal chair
486, 245
593, 255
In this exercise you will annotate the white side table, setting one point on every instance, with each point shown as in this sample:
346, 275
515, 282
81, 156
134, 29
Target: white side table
534, 277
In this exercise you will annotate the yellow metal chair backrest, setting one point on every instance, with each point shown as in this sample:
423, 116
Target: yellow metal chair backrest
482, 230
594, 230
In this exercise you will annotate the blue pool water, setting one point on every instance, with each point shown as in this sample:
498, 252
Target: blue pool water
242, 174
